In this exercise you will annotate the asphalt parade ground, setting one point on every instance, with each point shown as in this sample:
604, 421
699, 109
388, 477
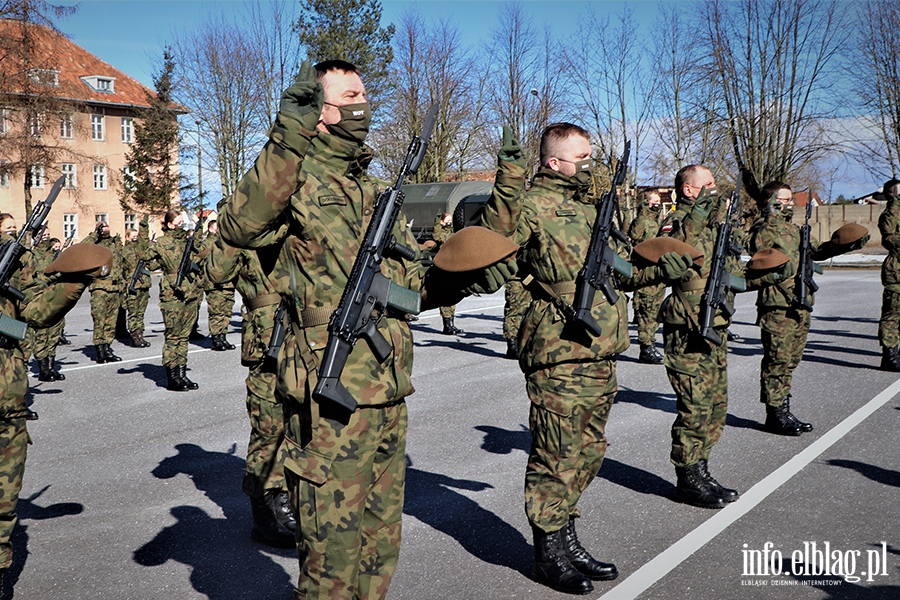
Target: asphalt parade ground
134, 492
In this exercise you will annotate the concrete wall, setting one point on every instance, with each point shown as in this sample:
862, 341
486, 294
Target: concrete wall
825, 219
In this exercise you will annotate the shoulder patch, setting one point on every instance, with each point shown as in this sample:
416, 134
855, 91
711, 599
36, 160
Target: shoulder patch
565, 212
332, 200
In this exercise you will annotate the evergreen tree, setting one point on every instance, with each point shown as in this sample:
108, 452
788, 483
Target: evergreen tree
153, 181
349, 30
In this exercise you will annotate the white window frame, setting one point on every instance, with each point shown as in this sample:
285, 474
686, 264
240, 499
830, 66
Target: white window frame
4, 174
127, 130
70, 225
127, 178
131, 221
37, 176
70, 170
36, 125
98, 133
100, 177
66, 127
4, 122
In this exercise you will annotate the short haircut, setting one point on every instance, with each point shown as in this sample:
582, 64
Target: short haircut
52, 241
327, 66
773, 187
556, 133
130, 231
885, 190
686, 175
5, 216
651, 192
210, 223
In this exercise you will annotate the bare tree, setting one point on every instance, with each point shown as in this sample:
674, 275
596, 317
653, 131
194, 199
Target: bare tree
774, 63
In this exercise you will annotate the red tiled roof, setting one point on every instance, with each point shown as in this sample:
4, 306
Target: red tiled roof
802, 198
74, 62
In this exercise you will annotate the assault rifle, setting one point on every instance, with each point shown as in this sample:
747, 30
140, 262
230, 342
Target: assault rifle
187, 266
66, 244
369, 293
11, 251
601, 259
806, 269
138, 271
278, 331
715, 296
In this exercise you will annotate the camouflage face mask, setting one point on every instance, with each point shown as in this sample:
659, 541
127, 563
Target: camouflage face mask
354, 123
584, 170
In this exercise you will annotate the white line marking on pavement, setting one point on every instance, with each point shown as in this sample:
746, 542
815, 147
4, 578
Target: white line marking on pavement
675, 554
460, 312
122, 362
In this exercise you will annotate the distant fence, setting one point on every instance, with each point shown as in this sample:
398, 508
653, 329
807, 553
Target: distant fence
825, 219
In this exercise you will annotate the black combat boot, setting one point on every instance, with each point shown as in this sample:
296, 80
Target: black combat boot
110, 355
44, 373
279, 504
450, 328
219, 343
692, 488
733, 337
890, 359
175, 382
182, 373
57, 376
137, 339
512, 348
650, 355
726, 494
266, 529
804, 427
778, 421
583, 562
195, 335
100, 349
64, 341
551, 566
225, 343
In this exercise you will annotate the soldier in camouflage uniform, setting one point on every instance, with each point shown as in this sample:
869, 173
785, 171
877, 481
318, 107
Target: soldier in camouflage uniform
647, 300
516, 300
345, 470
219, 297
43, 306
273, 521
889, 324
107, 294
570, 376
44, 340
180, 306
443, 229
137, 245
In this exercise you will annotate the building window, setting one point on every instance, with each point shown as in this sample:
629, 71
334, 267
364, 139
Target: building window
97, 128
35, 125
4, 174
37, 176
104, 85
131, 221
65, 127
68, 170
100, 218
4, 124
70, 225
128, 178
127, 130
99, 177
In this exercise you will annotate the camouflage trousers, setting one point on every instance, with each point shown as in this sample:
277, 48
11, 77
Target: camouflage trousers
219, 307
516, 302
14, 442
698, 374
44, 341
889, 324
105, 310
646, 310
570, 405
136, 305
178, 318
265, 451
346, 488
783, 334
448, 312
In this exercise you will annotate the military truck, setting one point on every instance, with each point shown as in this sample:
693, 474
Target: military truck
424, 201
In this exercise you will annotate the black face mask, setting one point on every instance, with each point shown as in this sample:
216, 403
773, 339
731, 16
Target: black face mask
354, 123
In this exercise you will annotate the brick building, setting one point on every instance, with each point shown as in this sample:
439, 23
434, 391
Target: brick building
91, 136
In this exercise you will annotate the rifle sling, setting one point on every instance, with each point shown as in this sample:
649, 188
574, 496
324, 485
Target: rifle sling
689, 286
262, 300
554, 291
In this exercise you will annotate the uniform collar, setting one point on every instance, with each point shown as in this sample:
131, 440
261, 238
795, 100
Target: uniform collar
333, 151
556, 181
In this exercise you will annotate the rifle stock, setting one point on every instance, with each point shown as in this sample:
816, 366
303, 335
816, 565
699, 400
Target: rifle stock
369, 293
806, 268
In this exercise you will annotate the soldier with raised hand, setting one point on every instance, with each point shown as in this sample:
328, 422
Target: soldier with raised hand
647, 301
107, 294
254, 275
45, 303
345, 469
179, 306
570, 375
889, 324
137, 246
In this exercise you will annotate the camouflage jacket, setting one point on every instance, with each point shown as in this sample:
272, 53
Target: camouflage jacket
117, 279
552, 222
889, 226
204, 248
777, 231
166, 255
256, 277
44, 306
325, 202
645, 225
441, 234
136, 251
